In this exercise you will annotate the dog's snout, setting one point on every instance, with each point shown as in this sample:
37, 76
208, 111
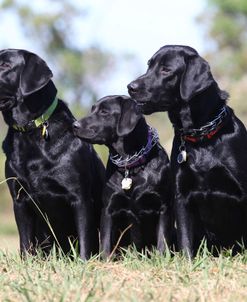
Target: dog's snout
76, 125
133, 87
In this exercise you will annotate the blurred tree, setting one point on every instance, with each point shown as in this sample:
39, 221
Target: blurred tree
53, 27
227, 23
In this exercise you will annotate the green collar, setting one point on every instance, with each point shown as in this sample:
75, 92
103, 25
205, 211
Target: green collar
38, 121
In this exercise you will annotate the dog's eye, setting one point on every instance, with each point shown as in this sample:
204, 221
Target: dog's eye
164, 69
4, 65
103, 111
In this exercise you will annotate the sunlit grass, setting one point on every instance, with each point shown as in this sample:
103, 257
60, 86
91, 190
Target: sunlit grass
135, 277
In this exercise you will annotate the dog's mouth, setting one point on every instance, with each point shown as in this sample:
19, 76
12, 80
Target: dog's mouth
145, 107
90, 139
86, 134
149, 107
86, 139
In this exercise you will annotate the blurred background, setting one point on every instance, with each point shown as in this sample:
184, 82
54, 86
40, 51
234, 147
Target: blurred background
96, 47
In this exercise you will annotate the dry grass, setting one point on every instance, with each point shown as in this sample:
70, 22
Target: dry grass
134, 278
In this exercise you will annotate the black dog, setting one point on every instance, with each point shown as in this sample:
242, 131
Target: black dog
209, 158
137, 188
62, 174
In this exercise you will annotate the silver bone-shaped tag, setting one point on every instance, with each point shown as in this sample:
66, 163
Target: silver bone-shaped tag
126, 182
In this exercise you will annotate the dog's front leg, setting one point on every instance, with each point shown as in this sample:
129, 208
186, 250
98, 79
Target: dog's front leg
185, 224
106, 234
136, 235
164, 230
24, 217
86, 230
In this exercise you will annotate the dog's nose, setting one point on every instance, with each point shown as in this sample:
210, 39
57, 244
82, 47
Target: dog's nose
76, 125
132, 87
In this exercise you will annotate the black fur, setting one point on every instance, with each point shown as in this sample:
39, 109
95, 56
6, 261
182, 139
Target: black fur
210, 187
115, 122
62, 174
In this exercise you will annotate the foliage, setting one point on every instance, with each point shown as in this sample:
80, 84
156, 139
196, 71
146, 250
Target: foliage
227, 23
54, 28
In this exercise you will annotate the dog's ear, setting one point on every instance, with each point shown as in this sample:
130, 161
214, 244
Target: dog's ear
35, 74
196, 77
129, 116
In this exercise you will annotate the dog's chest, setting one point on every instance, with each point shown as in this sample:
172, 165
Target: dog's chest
205, 178
44, 172
143, 196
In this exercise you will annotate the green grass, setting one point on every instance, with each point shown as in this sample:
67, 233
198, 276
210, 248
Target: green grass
135, 277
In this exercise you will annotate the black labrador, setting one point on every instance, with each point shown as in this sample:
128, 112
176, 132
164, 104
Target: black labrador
137, 191
209, 158
62, 175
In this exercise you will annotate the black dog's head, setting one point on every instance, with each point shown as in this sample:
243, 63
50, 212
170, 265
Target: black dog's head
175, 74
111, 117
21, 74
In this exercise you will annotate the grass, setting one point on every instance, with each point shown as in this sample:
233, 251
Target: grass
135, 277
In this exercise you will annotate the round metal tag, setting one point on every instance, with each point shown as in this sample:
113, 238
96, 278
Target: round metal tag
182, 157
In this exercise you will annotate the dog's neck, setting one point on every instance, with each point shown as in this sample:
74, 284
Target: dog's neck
31, 107
132, 142
199, 110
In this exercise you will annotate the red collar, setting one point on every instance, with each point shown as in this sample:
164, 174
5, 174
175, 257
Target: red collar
207, 131
194, 139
